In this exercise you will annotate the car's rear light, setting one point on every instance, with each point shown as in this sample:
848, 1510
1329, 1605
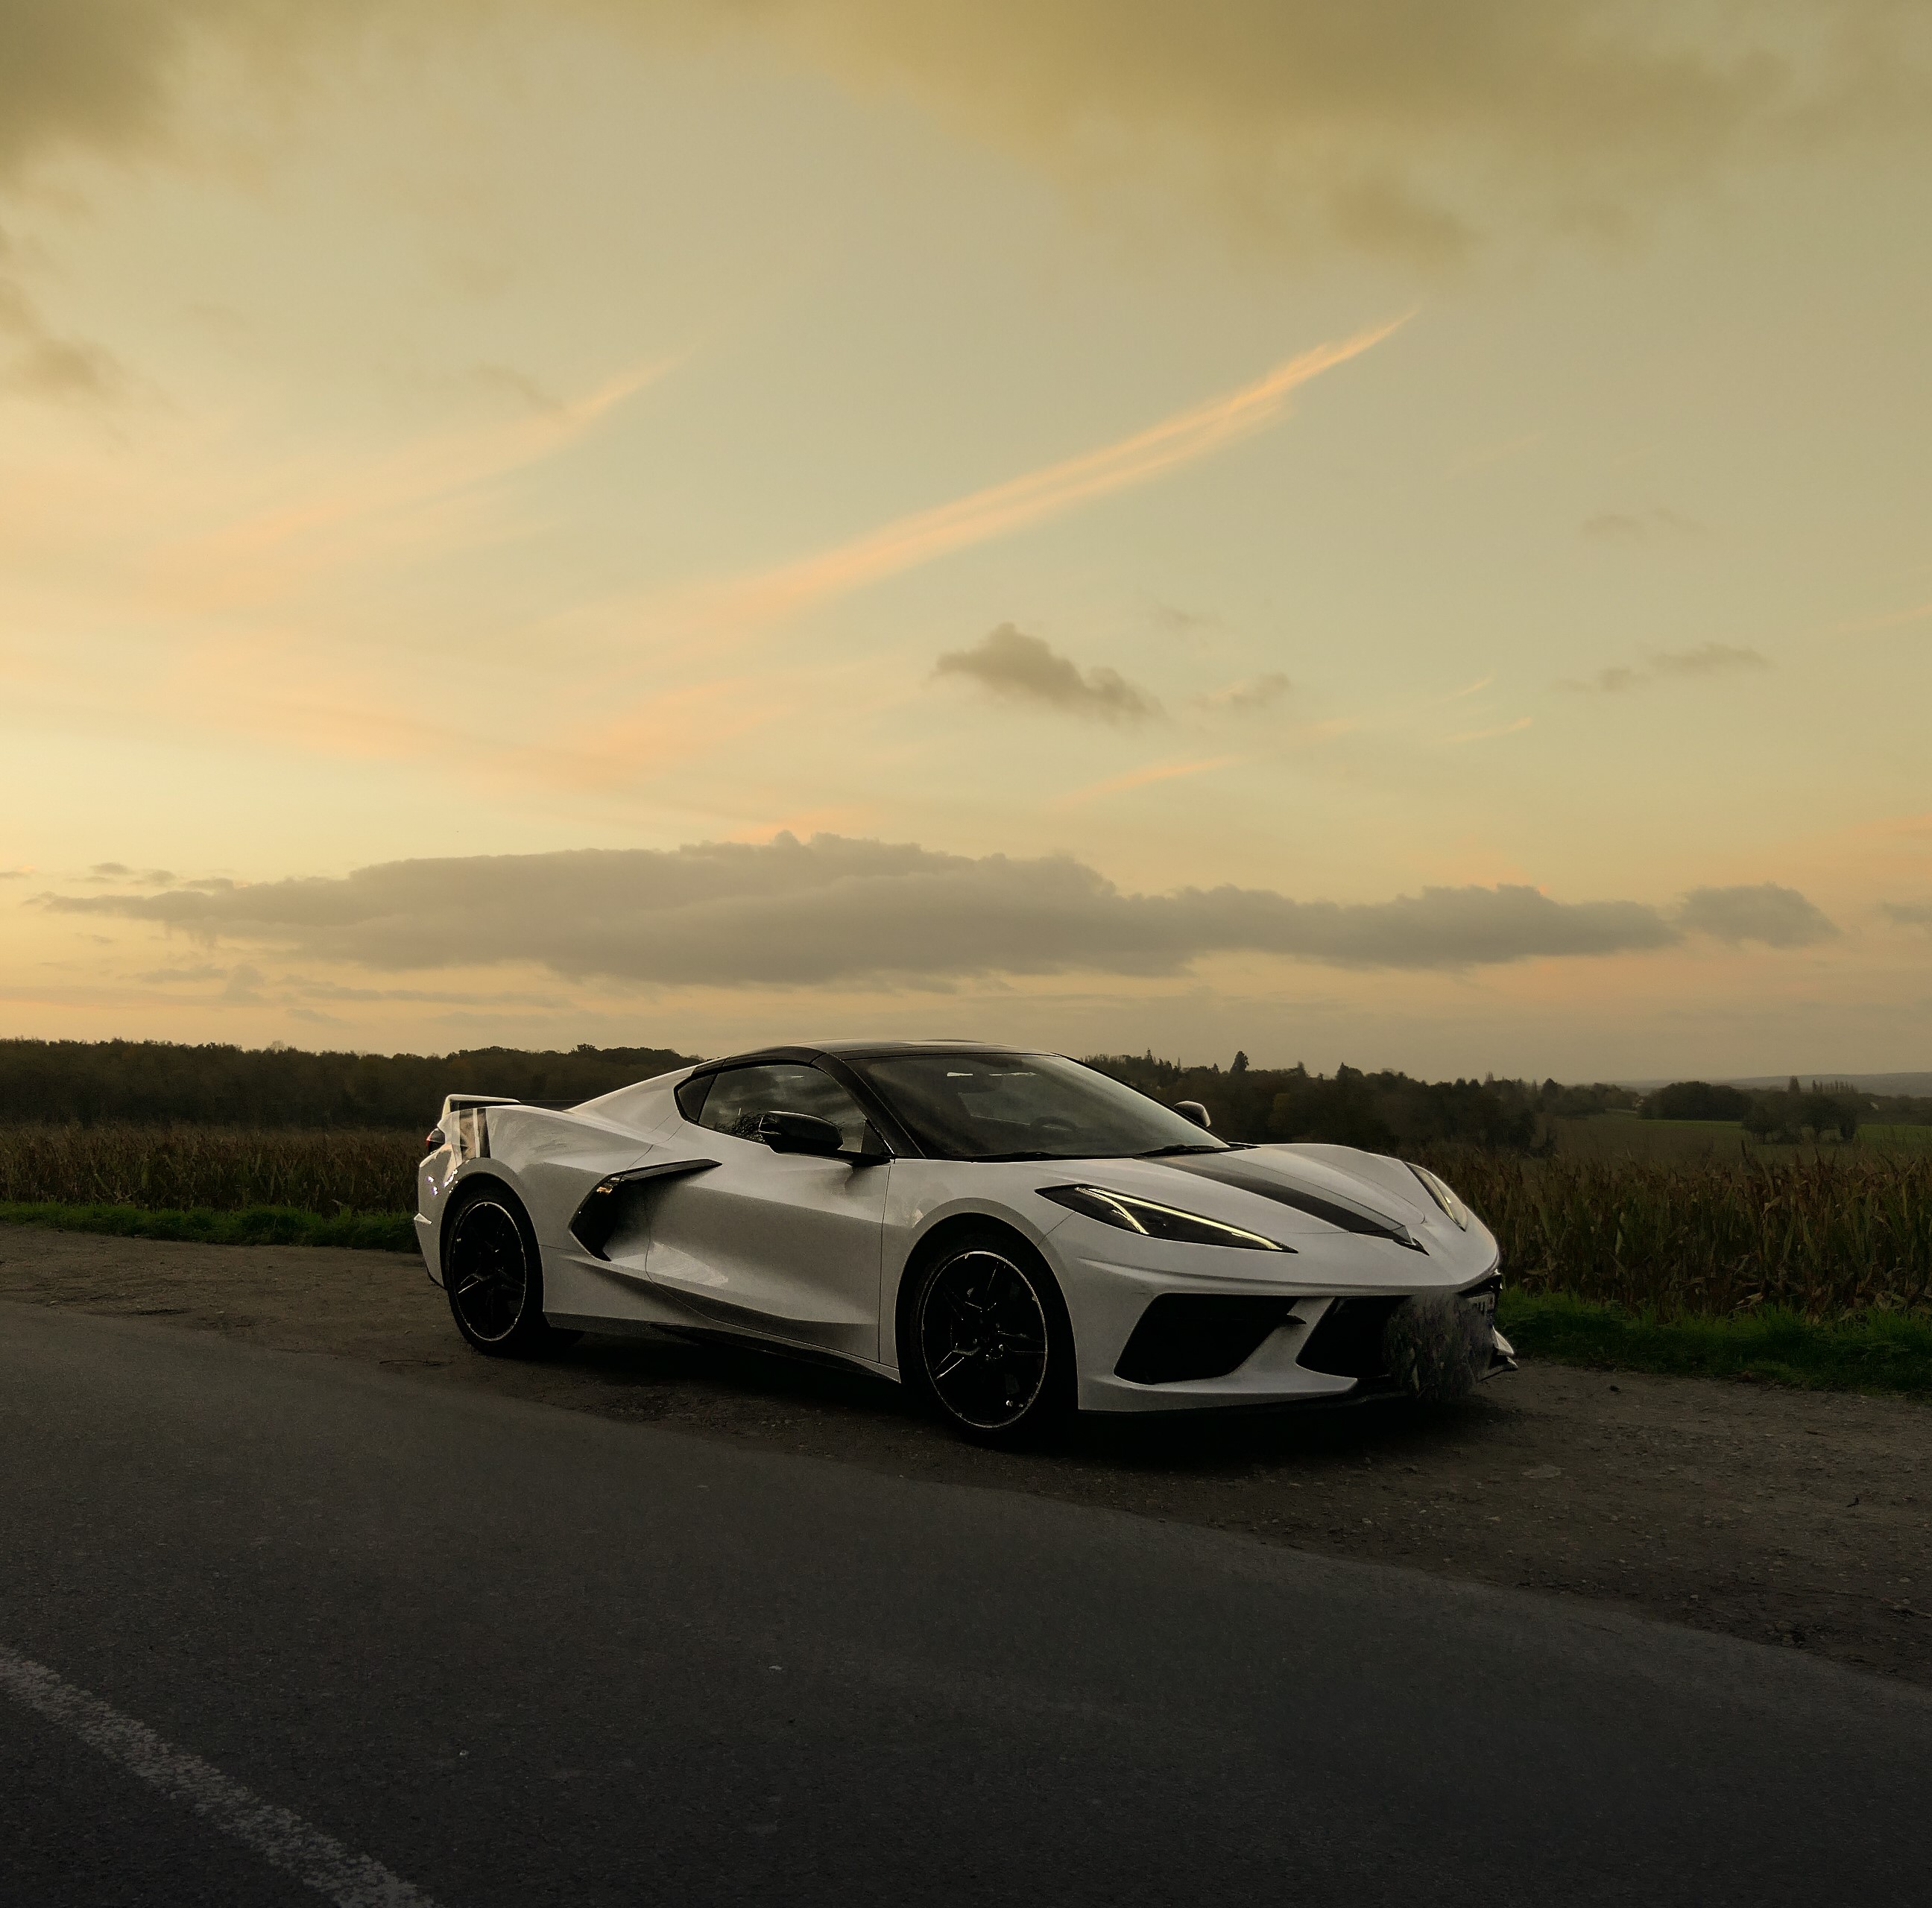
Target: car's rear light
433, 1139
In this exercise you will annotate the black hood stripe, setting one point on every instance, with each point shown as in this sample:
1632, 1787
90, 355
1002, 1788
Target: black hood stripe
1350, 1219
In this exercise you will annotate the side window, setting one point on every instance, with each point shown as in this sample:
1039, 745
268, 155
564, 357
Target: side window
739, 1096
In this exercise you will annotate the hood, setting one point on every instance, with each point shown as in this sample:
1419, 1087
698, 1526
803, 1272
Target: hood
1307, 1197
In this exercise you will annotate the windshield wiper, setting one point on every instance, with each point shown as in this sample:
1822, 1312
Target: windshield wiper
1187, 1146
1007, 1159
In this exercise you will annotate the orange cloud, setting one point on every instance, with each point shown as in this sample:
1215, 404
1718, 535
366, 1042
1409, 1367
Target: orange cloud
424, 492
1140, 778
1020, 502
1521, 723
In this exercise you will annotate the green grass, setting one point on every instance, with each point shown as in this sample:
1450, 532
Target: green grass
248, 1225
1879, 1352
1628, 1136
1906, 1136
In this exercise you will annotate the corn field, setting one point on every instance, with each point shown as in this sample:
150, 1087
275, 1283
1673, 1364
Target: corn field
1825, 1234
223, 1168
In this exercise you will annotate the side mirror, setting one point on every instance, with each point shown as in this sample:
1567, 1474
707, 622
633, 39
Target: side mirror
1192, 1109
800, 1133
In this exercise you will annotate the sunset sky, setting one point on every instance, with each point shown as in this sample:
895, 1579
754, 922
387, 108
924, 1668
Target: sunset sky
1398, 534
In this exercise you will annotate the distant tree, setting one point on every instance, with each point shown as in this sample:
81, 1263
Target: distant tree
1696, 1100
1820, 1113
1790, 1116
1241, 1065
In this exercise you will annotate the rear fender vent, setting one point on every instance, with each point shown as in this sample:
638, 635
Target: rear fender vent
615, 1202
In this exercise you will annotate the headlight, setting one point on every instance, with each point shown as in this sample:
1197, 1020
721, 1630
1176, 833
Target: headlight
1440, 1192
1155, 1222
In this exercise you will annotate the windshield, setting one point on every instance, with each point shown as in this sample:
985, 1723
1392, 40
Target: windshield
1024, 1106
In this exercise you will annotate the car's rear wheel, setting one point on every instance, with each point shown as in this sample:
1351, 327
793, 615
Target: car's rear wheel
986, 1341
493, 1272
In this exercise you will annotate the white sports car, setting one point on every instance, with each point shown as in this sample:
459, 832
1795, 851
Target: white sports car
1010, 1234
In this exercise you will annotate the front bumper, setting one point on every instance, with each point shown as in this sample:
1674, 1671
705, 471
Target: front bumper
1147, 1340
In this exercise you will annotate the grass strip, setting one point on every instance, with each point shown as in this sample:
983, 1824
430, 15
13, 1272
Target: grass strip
249, 1226
1873, 1352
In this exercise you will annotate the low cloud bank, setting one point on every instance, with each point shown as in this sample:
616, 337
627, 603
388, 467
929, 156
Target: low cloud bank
791, 913
1777, 917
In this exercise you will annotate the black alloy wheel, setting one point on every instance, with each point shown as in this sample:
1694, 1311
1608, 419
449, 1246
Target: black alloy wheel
493, 1275
984, 1332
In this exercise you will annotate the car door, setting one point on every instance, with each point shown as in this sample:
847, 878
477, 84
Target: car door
785, 1244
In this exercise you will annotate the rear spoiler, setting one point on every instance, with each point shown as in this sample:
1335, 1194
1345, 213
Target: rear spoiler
464, 1122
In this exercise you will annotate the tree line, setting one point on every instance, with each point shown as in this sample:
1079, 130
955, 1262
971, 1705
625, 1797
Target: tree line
1826, 1109
1384, 1112
157, 1082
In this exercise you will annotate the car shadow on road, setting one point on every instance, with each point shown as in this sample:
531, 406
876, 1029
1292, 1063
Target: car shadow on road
720, 1385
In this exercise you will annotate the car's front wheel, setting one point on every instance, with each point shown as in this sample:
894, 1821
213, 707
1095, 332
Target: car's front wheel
493, 1272
986, 1341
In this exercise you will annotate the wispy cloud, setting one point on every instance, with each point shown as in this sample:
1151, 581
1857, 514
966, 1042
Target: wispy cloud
1640, 527
1521, 723
1889, 619
1612, 681
1706, 659
1184, 623
414, 493
1156, 772
1022, 668
106, 871
1257, 693
1488, 455
39, 362
1001, 509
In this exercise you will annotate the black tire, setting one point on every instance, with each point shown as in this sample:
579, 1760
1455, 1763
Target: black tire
493, 1273
984, 1339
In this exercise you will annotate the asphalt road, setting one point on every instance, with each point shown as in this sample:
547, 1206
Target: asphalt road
411, 1642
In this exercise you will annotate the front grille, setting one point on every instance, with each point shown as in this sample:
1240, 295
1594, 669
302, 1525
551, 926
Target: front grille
1186, 1335
1347, 1340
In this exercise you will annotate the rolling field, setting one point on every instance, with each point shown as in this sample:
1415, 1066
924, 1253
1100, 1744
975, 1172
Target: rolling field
1625, 1136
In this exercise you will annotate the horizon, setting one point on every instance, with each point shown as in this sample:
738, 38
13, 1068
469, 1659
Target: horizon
1907, 1082
1104, 528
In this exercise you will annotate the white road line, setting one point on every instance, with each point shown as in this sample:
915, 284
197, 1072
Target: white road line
293, 1845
